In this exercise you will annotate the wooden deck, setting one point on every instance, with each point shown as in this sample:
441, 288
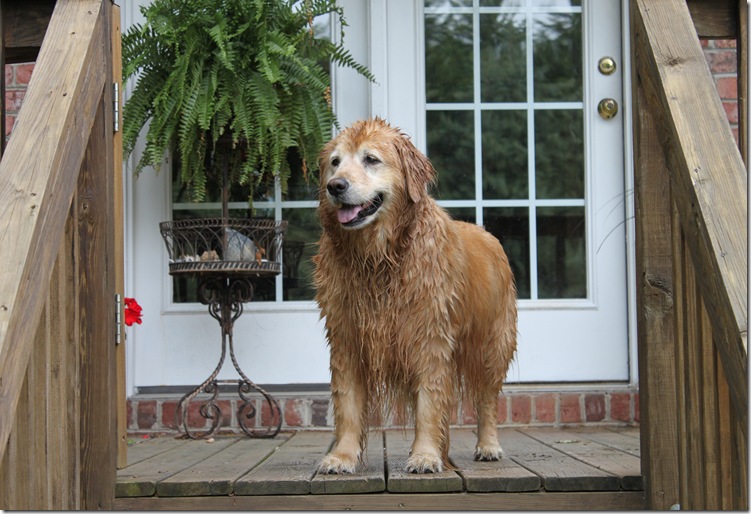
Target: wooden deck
544, 468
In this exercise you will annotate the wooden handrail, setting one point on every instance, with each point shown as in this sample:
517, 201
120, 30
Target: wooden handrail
707, 175
38, 177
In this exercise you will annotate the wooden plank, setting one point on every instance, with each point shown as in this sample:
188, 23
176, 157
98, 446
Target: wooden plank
599, 501
38, 175
96, 307
142, 478
25, 23
290, 469
370, 476
710, 413
610, 437
558, 471
606, 458
714, 19
142, 449
217, 474
398, 480
504, 475
705, 166
654, 296
119, 236
726, 443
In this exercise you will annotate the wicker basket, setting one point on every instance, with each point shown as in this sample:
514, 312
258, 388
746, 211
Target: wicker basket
224, 246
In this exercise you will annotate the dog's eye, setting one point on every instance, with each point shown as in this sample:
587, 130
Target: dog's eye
369, 159
335, 162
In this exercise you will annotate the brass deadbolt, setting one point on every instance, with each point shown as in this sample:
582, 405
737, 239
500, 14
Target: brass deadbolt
607, 108
606, 65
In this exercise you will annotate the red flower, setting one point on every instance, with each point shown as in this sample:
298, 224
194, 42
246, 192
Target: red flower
132, 311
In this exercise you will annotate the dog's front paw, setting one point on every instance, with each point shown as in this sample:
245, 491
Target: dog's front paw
488, 452
337, 464
424, 463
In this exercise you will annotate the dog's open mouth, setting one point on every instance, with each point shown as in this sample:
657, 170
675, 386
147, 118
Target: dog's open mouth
353, 215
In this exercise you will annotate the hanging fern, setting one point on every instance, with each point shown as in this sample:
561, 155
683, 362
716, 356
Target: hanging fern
246, 68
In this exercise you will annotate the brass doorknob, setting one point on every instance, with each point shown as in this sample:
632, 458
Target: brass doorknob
607, 108
606, 65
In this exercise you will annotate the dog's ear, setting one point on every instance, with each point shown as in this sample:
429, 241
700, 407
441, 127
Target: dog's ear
418, 170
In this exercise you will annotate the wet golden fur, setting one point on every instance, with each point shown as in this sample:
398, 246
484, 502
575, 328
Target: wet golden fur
417, 306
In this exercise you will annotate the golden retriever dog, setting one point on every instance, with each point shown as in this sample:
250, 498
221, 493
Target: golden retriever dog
418, 308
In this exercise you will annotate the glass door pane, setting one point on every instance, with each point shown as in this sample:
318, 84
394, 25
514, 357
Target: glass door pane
505, 130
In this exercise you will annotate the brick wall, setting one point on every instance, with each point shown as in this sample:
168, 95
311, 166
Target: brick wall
722, 59
149, 414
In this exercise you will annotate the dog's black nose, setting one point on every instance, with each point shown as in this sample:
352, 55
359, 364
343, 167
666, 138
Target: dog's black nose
337, 186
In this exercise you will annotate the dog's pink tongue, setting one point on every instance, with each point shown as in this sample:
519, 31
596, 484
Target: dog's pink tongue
347, 214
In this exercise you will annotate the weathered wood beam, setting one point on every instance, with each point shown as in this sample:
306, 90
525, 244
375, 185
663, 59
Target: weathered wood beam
38, 176
654, 300
714, 19
708, 177
24, 24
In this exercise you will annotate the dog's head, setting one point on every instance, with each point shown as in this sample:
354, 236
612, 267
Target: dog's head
370, 170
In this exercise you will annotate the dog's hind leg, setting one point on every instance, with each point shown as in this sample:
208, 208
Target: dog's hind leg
486, 407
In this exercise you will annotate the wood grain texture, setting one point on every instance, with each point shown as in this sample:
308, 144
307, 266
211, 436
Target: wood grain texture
620, 441
558, 471
24, 25
290, 469
654, 294
142, 478
38, 175
602, 501
603, 457
500, 476
714, 19
217, 474
398, 480
370, 476
705, 166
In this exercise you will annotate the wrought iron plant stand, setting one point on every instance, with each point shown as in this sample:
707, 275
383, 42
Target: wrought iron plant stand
226, 255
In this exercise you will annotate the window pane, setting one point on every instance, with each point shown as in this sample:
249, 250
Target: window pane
299, 247
301, 187
452, 151
448, 3
467, 214
556, 3
559, 154
558, 57
561, 253
511, 227
504, 155
448, 57
503, 59
502, 3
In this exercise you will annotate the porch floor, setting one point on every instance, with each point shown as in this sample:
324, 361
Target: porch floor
545, 468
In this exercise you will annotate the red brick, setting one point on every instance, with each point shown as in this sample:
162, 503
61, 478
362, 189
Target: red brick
521, 409
10, 122
502, 410
594, 407
724, 43
195, 419
293, 412
168, 415
269, 418
620, 406
8, 75
724, 61
570, 409
320, 411
128, 414
146, 415
225, 407
636, 407
731, 110
14, 99
545, 408
23, 73
727, 87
